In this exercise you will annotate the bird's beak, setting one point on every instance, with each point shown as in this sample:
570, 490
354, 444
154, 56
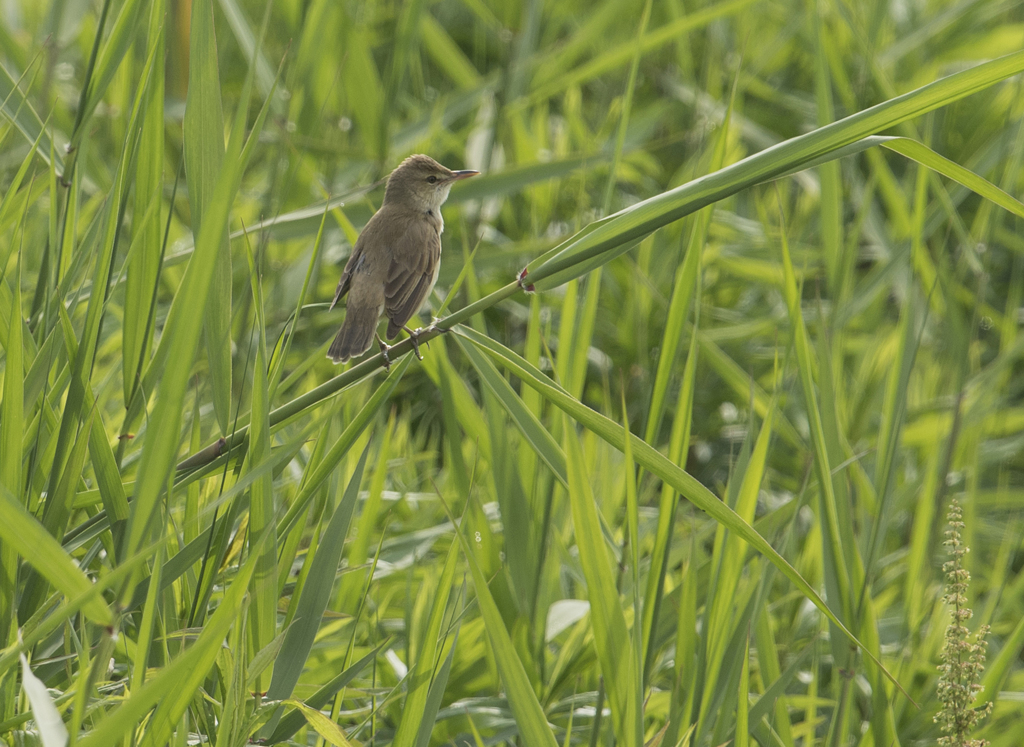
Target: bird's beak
456, 175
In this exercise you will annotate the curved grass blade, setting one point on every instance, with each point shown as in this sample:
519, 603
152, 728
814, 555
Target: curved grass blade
585, 251
925, 156
144, 264
437, 690
17, 108
654, 462
262, 517
527, 423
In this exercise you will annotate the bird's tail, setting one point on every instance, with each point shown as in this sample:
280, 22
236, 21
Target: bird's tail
356, 334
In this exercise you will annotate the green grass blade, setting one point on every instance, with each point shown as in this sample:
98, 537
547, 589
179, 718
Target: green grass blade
108, 477
144, 264
743, 701
111, 56
150, 614
526, 709
36, 629
262, 516
322, 725
17, 108
11, 426
182, 332
316, 592
204, 155
679, 447
436, 694
650, 41
729, 558
927, 157
38, 547
249, 44
835, 563
683, 286
415, 711
619, 666
744, 386
830, 210
345, 441
280, 355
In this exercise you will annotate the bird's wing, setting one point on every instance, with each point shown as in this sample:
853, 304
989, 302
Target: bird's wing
346, 275
374, 233
411, 274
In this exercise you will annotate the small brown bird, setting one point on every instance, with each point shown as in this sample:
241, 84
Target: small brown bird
395, 261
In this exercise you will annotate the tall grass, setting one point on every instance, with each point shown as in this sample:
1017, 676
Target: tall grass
730, 317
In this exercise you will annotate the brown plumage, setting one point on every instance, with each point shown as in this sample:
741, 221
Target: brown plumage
395, 261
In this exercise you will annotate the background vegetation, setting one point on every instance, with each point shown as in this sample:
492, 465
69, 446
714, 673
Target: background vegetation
812, 351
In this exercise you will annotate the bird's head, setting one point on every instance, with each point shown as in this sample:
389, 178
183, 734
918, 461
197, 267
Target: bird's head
421, 183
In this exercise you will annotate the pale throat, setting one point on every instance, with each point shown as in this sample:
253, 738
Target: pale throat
430, 203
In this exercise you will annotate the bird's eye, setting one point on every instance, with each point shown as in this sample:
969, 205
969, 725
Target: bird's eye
432, 179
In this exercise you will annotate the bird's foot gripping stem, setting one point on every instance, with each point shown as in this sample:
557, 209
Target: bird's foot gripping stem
414, 338
384, 350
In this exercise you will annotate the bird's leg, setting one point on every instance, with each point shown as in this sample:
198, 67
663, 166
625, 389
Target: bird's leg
414, 337
384, 348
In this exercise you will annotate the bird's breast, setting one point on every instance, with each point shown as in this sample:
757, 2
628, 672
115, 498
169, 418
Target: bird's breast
433, 216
